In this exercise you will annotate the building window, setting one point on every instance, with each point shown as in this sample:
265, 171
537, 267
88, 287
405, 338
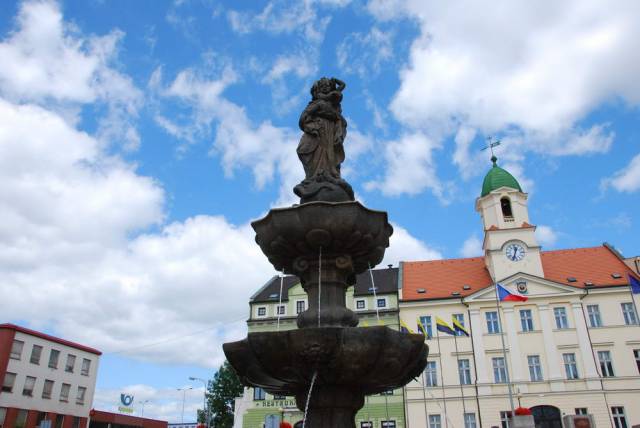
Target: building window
47, 389
426, 322
526, 320
29, 383
258, 394
300, 306
366, 424
9, 381
464, 372
71, 362
629, 314
499, 370
281, 309
16, 349
262, 311
76, 422
388, 424
381, 303
80, 396
505, 419
431, 373
570, 367
505, 204
86, 366
460, 319
606, 365
53, 358
360, 304
59, 421
561, 318
36, 352
594, 315
619, 419
21, 418
64, 392
493, 325
3, 415
636, 354
535, 370
581, 411
469, 420
435, 421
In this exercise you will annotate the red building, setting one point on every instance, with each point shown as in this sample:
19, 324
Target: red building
100, 419
47, 382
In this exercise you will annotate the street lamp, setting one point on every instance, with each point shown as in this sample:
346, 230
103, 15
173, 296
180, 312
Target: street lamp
143, 403
205, 408
184, 393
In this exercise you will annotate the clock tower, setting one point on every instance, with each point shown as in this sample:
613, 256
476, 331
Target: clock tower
510, 244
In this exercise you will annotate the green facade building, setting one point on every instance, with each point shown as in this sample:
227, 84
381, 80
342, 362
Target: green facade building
269, 311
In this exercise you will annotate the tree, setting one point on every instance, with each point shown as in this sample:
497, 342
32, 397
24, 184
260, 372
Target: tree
223, 389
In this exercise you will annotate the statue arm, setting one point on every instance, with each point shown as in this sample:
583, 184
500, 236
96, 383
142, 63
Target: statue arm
340, 85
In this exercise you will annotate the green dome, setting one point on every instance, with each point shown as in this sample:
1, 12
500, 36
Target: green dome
496, 178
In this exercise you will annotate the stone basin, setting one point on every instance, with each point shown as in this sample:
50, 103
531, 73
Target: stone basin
292, 236
369, 360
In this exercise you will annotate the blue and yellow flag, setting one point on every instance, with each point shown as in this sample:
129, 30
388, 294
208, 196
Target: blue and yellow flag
459, 328
404, 327
443, 326
421, 329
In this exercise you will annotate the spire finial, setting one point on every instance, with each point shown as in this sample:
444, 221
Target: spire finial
490, 145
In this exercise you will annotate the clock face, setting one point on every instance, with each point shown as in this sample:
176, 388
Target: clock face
514, 252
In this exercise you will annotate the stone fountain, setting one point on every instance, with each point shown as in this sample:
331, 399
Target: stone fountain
326, 241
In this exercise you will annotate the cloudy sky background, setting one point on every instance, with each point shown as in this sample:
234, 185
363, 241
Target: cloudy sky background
139, 139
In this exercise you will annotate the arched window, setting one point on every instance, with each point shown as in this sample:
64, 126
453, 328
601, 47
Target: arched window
505, 204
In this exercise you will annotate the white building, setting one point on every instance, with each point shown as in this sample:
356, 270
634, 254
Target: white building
44, 378
572, 348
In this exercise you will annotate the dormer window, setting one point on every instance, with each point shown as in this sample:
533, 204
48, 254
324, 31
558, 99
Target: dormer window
505, 204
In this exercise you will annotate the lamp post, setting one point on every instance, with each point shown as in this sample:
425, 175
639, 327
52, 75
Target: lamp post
184, 393
143, 403
205, 408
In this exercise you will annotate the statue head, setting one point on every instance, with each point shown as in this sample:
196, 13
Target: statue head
324, 86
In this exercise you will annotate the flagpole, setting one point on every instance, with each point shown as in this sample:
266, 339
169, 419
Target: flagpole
455, 341
504, 353
424, 397
444, 401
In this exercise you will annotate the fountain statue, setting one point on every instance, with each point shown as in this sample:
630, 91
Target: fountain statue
328, 364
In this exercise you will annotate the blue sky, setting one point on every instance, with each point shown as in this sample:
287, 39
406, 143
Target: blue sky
139, 139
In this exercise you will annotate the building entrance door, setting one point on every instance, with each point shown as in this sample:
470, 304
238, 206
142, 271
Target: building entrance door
546, 416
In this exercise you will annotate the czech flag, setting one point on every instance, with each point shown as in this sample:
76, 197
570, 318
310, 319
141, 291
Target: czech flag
505, 296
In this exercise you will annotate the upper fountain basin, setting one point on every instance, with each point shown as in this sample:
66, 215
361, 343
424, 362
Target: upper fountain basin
340, 228
371, 359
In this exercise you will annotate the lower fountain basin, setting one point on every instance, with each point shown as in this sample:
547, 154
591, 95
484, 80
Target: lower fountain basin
368, 360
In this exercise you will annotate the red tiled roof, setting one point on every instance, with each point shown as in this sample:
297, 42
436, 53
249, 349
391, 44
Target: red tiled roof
440, 278
49, 337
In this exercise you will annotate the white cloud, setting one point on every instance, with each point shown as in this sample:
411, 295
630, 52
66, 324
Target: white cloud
70, 243
532, 74
546, 235
410, 168
405, 247
625, 180
472, 247
285, 17
363, 54
48, 61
